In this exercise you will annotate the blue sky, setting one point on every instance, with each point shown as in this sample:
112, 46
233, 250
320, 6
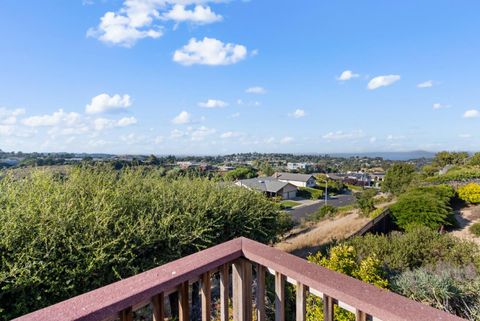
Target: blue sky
215, 77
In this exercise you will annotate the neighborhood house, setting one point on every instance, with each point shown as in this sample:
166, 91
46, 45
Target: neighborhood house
270, 186
299, 180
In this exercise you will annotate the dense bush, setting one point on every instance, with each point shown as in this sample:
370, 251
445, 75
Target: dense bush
460, 173
344, 259
418, 247
324, 211
365, 201
310, 193
475, 229
424, 206
470, 193
64, 234
398, 178
452, 289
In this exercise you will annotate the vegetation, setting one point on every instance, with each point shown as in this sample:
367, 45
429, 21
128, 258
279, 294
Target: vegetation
436, 269
63, 234
459, 173
289, 204
240, 173
475, 229
365, 201
470, 193
424, 206
475, 159
450, 158
398, 178
310, 193
344, 259
323, 212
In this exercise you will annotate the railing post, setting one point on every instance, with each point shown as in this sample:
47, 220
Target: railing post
206, 296
183, 304
279, 297
242, 290
224, 285
126, 315
260, 294
327, 308
158, 307
360, 316
301, 308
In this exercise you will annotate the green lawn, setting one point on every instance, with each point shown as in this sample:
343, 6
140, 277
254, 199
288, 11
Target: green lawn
289, 204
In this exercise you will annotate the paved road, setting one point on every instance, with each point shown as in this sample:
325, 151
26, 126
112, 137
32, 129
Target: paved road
337, 201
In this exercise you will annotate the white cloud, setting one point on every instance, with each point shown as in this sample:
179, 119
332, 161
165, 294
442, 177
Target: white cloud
9, 116
347, 75
213, 103
132, 139
299, 113
234, 115
174, 134
372, 139
58, 117
425, 84
183, 118
231, 134
199, 15
105, 103
465, 136
439, 106
382, 81
125, 29
159, 140
201, 133
255, 90
340, 135
139, 19
209, 51
393, 137
287, 140
472, 113
104, 123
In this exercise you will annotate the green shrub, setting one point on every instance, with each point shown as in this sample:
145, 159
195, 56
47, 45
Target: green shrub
418, 247
62, 235
452, 289
310, 193
375, 213
398, 178
463, 173
324, 211
470, 193
424, 206
365, 201
475, 229
344, 259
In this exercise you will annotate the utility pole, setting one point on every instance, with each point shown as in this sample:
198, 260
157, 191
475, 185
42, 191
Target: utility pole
326, 192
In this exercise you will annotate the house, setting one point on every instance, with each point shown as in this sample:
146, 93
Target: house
298, 166
270, 187
299, 180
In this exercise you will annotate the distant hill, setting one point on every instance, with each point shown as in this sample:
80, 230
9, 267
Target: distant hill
400, 156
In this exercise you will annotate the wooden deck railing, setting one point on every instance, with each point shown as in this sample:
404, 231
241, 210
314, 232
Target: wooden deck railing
234, 263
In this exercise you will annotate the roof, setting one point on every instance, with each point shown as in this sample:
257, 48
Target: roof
264, 184
293, 177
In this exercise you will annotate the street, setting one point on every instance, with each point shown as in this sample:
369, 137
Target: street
336, 201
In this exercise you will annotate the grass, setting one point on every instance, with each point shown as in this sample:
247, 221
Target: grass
475, 229
289, 204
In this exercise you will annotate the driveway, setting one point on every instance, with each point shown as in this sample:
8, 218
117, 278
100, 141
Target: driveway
300, 212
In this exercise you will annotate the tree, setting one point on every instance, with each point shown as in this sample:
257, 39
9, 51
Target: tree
266, 169
398, 178
450, 158
470, 193
422, 207
365, 201
240, 173
475, 159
